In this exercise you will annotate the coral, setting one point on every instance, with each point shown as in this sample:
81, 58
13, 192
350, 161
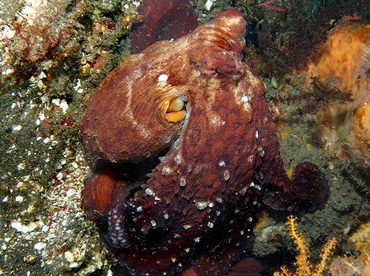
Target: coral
343, 64
303, 264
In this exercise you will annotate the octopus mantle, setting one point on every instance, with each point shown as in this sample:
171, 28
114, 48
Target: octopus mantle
197, 106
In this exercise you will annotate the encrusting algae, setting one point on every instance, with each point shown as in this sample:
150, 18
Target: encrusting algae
303, 264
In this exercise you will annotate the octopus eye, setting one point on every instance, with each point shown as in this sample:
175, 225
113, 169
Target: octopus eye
176, 110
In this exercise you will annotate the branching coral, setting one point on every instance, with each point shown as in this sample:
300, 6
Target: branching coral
303, 264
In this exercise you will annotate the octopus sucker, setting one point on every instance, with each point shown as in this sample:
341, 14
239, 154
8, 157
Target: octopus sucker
181, 196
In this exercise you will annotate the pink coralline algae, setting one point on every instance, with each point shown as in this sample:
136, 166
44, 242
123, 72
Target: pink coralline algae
38, 39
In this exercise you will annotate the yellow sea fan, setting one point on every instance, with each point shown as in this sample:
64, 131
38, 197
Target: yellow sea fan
303, 265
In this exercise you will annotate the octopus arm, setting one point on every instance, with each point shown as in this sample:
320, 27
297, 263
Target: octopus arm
307, 189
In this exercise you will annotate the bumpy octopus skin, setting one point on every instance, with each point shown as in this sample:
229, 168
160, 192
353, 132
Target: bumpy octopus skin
162, 20
195, 103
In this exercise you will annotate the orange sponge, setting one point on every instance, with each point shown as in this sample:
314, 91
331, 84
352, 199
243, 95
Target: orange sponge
343, 62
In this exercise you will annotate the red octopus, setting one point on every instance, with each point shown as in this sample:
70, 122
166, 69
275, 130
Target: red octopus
187, 151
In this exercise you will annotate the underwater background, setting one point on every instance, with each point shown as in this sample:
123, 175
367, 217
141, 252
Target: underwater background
314, 59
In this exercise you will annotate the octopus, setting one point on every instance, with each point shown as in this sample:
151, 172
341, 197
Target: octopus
185, 152
162, 20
